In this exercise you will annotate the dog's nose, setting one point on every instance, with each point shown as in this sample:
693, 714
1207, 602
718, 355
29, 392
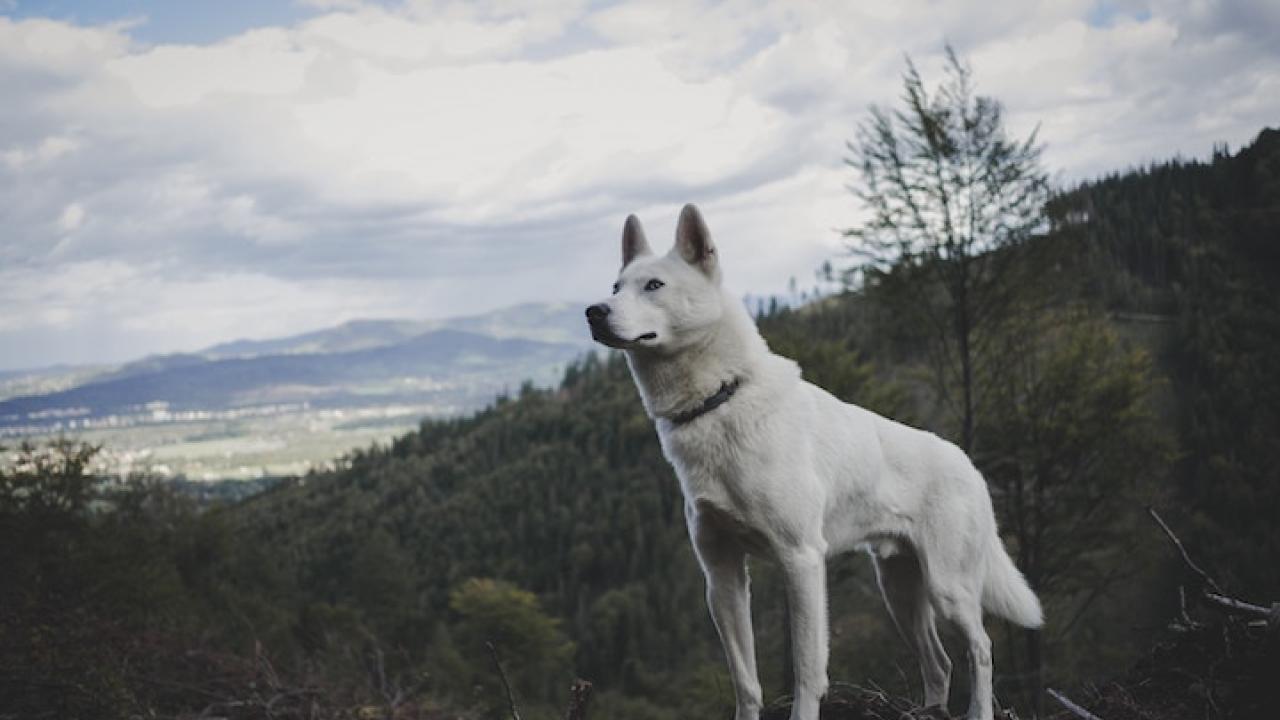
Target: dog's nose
597, 312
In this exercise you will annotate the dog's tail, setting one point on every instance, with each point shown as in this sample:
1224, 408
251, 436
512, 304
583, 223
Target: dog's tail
1006, 593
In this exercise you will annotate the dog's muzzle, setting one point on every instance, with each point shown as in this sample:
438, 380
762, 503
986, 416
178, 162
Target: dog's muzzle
598, 321
601, 332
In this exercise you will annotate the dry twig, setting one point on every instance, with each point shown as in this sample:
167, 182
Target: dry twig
1185, 557
497, 663
1240, 606
1071, 707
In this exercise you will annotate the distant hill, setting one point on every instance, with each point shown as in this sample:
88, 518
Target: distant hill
532, 321
452, 364
351, 335
560, 322
36, 381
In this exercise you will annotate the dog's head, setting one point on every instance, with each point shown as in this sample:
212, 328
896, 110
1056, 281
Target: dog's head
662, 304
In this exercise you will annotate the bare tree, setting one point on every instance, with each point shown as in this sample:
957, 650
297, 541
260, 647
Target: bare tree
948, 193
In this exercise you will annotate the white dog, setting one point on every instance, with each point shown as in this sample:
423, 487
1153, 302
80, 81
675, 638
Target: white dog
772, 465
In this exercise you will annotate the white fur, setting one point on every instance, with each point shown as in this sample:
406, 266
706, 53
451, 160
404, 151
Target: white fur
787, 471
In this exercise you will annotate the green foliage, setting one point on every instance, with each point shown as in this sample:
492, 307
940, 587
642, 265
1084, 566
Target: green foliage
1070, 432
537, 656
83, 563
1193, 247
1073, 453
54, 483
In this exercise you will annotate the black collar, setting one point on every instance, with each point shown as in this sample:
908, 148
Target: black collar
726, 391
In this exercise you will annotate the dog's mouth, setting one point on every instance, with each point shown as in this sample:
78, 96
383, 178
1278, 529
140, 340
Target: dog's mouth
605, 335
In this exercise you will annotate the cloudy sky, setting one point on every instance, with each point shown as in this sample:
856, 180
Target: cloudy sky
177, 174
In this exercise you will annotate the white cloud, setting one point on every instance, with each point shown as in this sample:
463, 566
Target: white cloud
71, 218
259, 64
393, 160
46, 151
57, 48
103, 310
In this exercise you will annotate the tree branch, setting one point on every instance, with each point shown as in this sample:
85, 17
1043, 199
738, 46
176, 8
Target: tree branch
1240, 606
1185, 557
497, 663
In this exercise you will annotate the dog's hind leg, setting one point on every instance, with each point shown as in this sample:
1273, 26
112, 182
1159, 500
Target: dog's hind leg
729, 600
962, 605
902, 584
806, 575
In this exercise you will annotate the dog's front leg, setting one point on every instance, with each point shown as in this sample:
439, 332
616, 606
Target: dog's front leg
806, 575
729, 599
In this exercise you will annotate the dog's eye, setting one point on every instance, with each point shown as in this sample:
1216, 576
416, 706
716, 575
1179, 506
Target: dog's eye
653, 284
616, 288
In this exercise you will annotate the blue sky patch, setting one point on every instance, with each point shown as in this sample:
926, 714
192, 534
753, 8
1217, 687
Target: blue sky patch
165, 21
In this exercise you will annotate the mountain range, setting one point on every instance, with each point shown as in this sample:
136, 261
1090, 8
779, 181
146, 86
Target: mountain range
551, 323
451, 364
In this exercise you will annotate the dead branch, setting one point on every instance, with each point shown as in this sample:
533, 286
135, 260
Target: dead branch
1071, 707
579, 694
1240, 606
1185, 557
1213, 593
1262, 617
497, 663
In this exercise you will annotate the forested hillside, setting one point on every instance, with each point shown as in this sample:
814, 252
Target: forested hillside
1137, 368
1198, 245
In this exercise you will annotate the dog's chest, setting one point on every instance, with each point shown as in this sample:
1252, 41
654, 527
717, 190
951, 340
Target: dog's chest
717, 465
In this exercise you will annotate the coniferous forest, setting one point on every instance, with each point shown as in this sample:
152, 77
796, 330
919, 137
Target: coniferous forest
1134, 367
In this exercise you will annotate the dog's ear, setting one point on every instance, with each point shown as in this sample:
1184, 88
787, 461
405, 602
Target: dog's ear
633, 243
693, 242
